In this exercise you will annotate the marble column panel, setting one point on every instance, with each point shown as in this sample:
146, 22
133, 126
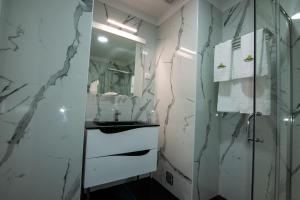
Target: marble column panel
207, 141
44, 49
176, 90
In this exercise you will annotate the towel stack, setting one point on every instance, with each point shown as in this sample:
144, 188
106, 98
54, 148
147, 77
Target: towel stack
234, 70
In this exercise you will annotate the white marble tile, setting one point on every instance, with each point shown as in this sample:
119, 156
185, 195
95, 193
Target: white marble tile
43, 122
176, 90
207, 142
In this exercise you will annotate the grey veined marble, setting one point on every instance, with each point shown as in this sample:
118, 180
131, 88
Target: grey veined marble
37, 79
39, 96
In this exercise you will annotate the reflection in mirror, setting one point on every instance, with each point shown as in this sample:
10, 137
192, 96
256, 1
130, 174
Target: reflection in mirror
112, 64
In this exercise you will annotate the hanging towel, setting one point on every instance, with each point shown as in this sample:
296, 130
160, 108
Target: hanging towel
246, 67
263, 54
222, 61
237, 96
228, 100
236, 63
263, 95
228, 96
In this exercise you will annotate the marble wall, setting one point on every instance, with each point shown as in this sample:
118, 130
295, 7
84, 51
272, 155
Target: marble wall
176, 98
207, 138
44, 51
100, 107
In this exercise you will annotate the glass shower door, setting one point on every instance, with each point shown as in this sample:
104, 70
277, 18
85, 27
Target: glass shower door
272, 103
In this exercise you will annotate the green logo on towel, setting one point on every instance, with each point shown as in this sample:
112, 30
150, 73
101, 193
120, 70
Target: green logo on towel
249, 58
221, 66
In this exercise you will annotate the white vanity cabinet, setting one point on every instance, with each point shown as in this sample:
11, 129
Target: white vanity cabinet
115, 156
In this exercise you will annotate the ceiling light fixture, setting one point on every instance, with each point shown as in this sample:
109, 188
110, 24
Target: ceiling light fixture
111, 21
119, 32
296, 16
102, 39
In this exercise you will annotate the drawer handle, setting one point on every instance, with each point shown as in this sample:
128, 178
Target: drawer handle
118, 129
113, 130
135, 153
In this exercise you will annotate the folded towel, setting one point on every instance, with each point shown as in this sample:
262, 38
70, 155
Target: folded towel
263, 54
228, 100
222, 61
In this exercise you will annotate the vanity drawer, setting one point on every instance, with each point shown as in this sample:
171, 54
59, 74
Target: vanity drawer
101, 144
113, 168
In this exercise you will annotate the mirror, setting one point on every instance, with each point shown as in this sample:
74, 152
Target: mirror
113, 66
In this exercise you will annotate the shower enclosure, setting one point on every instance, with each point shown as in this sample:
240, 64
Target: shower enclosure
277, 152
258, 145
274, 165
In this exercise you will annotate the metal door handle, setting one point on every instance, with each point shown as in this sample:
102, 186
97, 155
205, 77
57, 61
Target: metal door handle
251, 116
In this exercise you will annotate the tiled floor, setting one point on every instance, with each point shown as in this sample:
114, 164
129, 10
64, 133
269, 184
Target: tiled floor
145, 189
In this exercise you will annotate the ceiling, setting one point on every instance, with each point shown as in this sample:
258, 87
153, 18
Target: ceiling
117, 49
154, 8
152, 11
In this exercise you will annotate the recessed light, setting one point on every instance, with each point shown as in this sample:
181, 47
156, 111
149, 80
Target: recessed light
62, 110
296, 16
102, 39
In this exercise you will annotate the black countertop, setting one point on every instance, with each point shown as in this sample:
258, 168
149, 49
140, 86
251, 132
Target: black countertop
115, 127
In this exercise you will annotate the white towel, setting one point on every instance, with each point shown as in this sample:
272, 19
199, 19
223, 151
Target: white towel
263, 54
228, 100
263, 95
222, 61
237, 96
236, 63
246, 67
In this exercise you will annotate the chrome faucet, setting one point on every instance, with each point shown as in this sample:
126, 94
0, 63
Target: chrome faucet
116, 115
